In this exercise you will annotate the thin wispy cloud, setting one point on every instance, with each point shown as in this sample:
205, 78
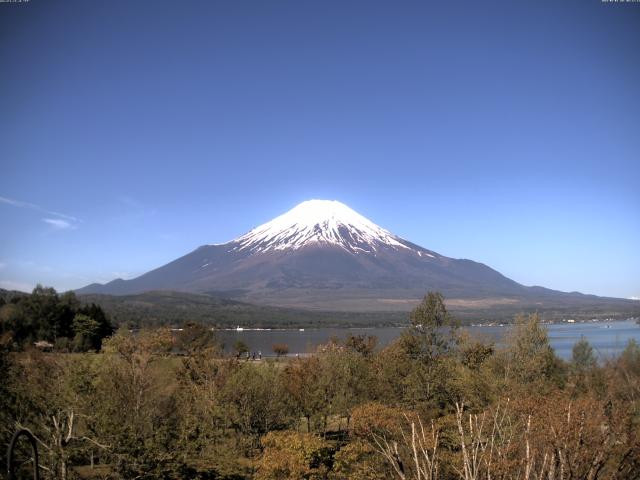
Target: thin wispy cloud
131, 202
59, 223
70, 220
135, 208
2, 265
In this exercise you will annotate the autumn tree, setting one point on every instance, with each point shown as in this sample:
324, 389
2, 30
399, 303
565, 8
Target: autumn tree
54, 400
255, 402
195, 338
572, 438
291, 455
408, 448
359, 460
362, 344
304, 388
204, 421
280, 349
328, 384
345, 381
393, 370
7, 400
240, 347
624, 374
136, 407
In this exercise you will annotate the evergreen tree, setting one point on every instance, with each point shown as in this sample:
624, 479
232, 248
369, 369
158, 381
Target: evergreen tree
532, 357
582, 356
87, 333
433, 329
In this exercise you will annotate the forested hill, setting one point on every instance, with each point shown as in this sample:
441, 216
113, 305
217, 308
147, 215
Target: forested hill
176, 308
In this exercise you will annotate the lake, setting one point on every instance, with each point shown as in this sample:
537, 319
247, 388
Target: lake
606, 338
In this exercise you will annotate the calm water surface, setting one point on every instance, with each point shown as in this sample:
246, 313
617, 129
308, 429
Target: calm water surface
606, 338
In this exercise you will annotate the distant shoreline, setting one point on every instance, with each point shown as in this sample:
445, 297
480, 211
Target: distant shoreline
475, 325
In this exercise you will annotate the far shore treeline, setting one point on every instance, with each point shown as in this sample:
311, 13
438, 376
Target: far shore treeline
436, 404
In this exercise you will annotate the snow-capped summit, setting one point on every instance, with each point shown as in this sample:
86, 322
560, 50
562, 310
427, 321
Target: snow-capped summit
319, 222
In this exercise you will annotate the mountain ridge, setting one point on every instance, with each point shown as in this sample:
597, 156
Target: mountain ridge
323, 255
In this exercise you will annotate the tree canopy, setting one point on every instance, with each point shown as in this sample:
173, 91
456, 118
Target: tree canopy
59, 319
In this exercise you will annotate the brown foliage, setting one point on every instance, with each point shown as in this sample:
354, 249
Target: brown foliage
292, 456
375, 418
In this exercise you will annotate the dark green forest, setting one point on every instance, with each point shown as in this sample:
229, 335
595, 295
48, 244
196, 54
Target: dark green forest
48, 317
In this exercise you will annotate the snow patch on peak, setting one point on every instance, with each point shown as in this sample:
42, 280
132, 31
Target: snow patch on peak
319, 222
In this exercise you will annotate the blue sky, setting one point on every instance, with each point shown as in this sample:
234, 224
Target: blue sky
504, 132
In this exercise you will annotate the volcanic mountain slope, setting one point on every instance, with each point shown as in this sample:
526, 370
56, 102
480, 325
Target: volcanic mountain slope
324, 255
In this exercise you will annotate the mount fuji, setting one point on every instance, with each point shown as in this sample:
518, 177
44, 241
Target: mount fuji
323, 255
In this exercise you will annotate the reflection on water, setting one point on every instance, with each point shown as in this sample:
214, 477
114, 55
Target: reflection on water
606, 338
